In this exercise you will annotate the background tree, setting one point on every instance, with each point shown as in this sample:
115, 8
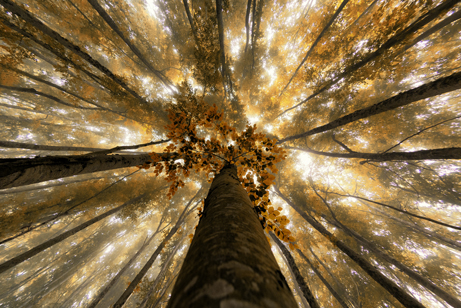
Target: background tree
74, 80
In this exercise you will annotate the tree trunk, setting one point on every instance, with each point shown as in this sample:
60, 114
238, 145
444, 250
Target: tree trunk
434, 88
317, 40
49, 96
325, 282
444, 153
230, 262
129, 290
133, 48
369, 245
450, 299
191, 21
117, 277
26, 16
247, 24
37, 249
397, 39
399, 294
295, 270
23, 171
399, 210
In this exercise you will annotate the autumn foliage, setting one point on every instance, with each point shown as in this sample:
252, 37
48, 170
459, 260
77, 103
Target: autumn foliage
202, 141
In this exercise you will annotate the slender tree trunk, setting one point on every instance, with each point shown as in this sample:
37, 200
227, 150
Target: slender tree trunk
117, 277
161, 275
325, 282
247, 23
434, 88
49, 96
307, 293
450, 299
399, 294
369, 245
23, 171
191, 21
317, 40
221, 40
133, 48
397, 39
399, 210
37, 249
22, 145
444, 153
229, 262
26, 16
123, 298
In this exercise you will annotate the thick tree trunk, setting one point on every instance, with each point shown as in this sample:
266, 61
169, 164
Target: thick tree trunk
230, 262
434, 88
446, 153
295, 270
25, 15
37, 249
325, 282
393, 41
317, 40
24, 171
399, 294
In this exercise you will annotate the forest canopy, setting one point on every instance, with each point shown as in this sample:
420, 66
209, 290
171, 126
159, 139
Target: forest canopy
343, 118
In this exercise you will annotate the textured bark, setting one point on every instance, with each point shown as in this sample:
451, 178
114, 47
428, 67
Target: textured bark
325, 282
230, 262
317, 40
395, 40
22, 145
24, 171
295, 270
37, 249
399, 294
25, 15
133, 48
434, 88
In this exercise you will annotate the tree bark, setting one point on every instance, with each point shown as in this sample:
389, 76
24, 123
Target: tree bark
295, 270
23, 171
37, 249
230, 262
434, 88
397, 39
399, 294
